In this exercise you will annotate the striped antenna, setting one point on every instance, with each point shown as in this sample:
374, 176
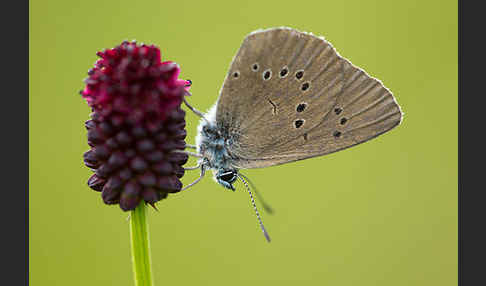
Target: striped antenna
258, 195
265, 233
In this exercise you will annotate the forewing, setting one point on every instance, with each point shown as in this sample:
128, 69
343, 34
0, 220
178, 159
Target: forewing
322, 104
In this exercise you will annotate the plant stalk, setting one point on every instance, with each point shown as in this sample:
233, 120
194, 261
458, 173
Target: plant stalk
140, 244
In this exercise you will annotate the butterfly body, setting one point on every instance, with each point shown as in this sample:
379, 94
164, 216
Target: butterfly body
213, 144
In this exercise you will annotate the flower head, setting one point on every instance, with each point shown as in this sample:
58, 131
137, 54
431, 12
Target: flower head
136, 126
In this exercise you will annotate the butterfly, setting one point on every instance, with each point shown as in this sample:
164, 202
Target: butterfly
288, 96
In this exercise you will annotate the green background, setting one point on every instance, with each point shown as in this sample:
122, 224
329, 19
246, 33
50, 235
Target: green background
381, 213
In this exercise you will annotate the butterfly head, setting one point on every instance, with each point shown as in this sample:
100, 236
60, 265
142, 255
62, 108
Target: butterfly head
226, 178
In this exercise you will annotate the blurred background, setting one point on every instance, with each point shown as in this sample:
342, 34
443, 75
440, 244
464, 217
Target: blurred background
381, 213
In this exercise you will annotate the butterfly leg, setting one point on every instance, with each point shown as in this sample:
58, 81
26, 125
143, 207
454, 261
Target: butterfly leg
203, 171
188, 153
198, 164
197, 112
191, 146
193, 167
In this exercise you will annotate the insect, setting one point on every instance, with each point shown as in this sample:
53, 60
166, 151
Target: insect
288, 96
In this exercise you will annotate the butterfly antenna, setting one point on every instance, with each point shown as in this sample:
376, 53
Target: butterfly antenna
265, 233
265, 206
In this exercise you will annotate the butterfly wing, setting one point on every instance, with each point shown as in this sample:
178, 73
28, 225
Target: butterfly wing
289, 96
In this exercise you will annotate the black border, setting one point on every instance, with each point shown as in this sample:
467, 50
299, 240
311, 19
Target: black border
15, 135
15, 144
472, 192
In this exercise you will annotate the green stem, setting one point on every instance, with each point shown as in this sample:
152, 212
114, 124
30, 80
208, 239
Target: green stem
139, 240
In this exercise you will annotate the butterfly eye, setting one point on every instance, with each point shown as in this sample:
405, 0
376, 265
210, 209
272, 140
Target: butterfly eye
236, 74
336, 134
298, 123
255, 67
299, 74
284, 72
338, 110
343, 120
267, 74
229, 176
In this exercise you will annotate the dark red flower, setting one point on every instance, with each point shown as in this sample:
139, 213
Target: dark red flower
136, 125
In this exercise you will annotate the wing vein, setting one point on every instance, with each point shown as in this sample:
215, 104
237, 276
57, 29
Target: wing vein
377, 120
364, 92
331, 84
325, 68
373, 104
317, 52
301, 45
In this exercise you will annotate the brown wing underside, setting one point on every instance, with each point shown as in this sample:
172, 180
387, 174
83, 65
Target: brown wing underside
321, 105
